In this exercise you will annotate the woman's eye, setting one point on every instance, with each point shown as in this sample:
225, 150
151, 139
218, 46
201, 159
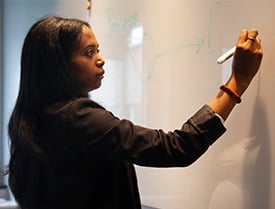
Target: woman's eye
90, 53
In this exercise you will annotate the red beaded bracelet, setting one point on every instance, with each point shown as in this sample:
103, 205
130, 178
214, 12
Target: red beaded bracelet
231, 92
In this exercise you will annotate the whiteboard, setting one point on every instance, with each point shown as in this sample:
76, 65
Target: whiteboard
181, 42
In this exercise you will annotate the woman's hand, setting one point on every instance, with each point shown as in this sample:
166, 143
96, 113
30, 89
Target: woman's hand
247, 60
246, 63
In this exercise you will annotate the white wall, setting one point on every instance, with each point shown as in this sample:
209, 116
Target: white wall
1, 89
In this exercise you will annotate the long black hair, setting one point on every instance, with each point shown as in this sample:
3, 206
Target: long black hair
45, 78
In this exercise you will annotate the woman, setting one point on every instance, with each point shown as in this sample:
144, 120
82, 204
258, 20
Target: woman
67, 151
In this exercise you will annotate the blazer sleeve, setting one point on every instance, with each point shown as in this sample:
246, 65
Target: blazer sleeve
99, 135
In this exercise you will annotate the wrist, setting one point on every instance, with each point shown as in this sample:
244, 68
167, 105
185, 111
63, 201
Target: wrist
237, 86
233, 94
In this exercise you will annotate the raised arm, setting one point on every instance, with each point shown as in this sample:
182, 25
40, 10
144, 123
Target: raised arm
246, 63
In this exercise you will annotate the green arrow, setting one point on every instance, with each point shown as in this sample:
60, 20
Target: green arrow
199, 43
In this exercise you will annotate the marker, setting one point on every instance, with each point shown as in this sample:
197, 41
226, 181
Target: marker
226, 55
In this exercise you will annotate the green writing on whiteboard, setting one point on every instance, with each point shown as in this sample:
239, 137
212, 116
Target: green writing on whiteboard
122, 25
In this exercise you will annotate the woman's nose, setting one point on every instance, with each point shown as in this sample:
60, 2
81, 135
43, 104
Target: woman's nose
100, 62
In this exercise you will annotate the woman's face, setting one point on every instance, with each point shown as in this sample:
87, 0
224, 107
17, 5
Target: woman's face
86, 63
